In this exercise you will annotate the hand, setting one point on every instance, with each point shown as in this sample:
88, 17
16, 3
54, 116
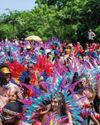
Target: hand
48, 107
44, 111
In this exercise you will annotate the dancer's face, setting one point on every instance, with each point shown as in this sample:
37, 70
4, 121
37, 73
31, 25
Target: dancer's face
83, 81
8, 119
55, 105
30, 68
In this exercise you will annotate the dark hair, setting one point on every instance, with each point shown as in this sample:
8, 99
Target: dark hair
49, 53
79, 87
3, 80
28, 64
75, 77
2, 65
63, 107
42, 49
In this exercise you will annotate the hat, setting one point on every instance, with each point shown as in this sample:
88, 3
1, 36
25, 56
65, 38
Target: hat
13, 108
28, 47
70, 45
5, 70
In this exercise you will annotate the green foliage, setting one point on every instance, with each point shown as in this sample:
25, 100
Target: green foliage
64, 19
97, 30
6, 31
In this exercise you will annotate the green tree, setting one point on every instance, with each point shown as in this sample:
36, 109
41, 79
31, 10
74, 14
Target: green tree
5, 31
64, 19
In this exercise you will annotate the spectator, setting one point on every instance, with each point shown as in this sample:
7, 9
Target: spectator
91, 36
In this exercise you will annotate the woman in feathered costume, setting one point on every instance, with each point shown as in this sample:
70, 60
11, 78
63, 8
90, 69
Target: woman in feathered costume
55, 107
58, 112
83, 100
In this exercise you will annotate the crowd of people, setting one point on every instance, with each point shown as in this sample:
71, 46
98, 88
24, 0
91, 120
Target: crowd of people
51, 83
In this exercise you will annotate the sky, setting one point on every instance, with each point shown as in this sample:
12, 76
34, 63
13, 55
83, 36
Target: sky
19, 5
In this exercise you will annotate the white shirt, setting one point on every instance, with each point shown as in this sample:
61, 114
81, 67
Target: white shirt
91, 35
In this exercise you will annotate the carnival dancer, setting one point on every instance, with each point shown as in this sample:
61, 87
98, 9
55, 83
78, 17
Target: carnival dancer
14, 89
58, 107
83, 102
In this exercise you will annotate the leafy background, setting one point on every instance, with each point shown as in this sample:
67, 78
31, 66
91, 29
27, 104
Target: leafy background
67, 20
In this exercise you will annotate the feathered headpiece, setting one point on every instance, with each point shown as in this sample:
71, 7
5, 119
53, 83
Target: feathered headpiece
41, 102
16, 69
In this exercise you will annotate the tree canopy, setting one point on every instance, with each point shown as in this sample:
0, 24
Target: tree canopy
64, 19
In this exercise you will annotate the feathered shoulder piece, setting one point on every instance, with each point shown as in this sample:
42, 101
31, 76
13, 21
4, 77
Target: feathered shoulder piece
16, 69
44, 65
43, 101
